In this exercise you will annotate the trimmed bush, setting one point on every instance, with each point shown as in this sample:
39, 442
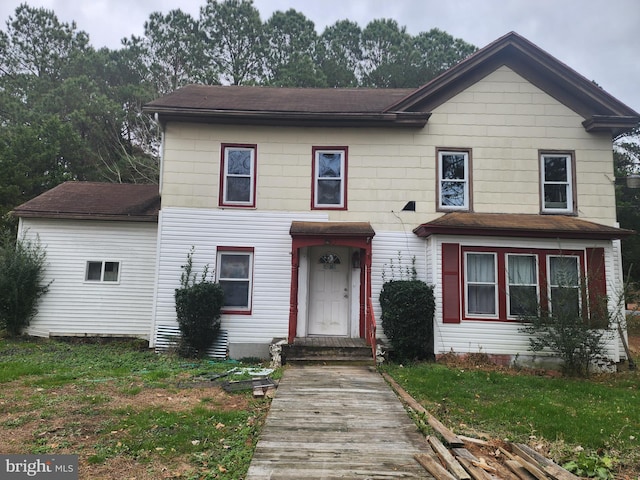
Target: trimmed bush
21, 276
198, 307
408, 308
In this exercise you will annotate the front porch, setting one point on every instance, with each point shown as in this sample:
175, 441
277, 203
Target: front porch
327, 350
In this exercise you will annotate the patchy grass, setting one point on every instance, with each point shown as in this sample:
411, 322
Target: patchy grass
127, 412
564, 416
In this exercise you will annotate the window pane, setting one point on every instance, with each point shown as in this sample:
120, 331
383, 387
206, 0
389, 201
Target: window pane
238, 189
452, 194
329, 192
453, 166
234, 266
522, 270
564, 271
523, 300
555, 169
555, 196
94, 271
236, 294
329, 165
480, 268
565, 301
481, 299
111, 271
239, 162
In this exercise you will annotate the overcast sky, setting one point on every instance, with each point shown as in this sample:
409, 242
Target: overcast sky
598, 38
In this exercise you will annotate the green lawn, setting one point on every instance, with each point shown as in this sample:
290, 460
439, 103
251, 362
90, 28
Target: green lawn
126, 411
600, 415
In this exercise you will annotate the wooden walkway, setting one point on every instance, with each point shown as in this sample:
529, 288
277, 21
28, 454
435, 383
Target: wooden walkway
336, 422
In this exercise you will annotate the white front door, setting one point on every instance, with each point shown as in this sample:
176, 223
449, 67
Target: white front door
329, 291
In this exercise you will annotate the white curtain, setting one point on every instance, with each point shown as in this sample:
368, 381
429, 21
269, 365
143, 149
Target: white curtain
481, 288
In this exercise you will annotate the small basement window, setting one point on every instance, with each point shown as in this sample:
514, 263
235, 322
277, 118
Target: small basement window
99, 271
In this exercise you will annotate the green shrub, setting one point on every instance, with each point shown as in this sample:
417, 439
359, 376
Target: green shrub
198, 307
407, 318
21, 283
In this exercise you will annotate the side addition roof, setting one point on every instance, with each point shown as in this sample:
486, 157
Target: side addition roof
95, 201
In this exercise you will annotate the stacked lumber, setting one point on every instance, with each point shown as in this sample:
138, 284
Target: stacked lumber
456, 461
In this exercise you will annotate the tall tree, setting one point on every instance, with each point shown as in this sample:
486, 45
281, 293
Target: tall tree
340, 53
234, 41
437, 51
170, 54
291, 58
388, 55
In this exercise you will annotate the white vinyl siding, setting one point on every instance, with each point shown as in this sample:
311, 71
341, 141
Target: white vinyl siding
266, 232
75, 306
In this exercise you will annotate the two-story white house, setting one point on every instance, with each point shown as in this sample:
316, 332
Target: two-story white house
489, 180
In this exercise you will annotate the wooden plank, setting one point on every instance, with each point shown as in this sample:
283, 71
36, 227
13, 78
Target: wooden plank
449, 437
548, 466
464, 453
475, 441
448, 459
433, 467
476, 472
521, 472
532, 468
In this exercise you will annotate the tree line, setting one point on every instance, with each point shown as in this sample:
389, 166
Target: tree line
70, 111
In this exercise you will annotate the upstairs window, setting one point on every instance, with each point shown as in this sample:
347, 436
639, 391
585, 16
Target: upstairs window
557, 182
329, 178
453, 180
235, 276
99, 271
238, 176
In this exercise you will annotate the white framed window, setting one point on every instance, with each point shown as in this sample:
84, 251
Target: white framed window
453, 180
557, 182
329, 178
564, 285
523, 295
235, 276
102, 271
238, 175
481, 287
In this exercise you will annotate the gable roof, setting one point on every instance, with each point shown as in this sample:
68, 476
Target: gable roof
601, 111
398, 107
95, 201
518, 225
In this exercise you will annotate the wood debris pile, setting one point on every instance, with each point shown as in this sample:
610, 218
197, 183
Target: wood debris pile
457, 461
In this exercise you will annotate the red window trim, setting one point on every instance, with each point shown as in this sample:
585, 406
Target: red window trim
250, 250
501, 254
469, 152
221, 200
345, 177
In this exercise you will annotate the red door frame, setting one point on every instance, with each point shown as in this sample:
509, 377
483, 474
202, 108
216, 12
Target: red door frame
363, 243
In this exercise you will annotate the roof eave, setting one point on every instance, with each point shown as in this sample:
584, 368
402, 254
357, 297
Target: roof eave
84, 216
608, 123
329, 119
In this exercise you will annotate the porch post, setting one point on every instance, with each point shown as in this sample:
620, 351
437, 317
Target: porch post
293, 300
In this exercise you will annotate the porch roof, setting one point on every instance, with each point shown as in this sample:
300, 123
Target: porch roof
518, 225
332, 229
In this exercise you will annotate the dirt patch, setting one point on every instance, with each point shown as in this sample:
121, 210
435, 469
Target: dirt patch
71, 420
